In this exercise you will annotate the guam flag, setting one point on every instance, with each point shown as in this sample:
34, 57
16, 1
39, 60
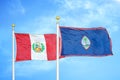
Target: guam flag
85, 42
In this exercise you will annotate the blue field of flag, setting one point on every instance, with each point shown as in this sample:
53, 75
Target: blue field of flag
85, 41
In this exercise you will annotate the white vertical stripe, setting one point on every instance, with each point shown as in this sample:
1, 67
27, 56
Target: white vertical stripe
40, 40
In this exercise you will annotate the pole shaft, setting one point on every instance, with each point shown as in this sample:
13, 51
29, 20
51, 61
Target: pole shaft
13, 59
57, 62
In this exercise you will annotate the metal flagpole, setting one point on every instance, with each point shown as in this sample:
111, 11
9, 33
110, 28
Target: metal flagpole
57, 54
13, 59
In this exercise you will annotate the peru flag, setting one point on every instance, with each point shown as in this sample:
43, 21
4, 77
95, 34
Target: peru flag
35, 47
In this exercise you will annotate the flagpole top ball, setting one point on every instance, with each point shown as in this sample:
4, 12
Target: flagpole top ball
57, 17
13, 25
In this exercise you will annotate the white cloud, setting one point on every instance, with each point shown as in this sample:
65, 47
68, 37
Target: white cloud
80, 13
117, 1
86, 13
46, 24
69, 4
39, 25
112, 29
16, 7
73, 4
88, 5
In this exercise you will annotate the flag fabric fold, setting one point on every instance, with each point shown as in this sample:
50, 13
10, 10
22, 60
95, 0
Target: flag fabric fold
35, 47
85, 41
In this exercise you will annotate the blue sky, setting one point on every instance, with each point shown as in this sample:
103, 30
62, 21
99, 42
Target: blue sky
38, 17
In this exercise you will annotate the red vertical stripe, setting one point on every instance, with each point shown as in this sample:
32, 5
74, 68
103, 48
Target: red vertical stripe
23, 47
51, 46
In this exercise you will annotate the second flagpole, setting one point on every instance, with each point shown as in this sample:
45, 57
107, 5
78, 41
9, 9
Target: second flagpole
57, 54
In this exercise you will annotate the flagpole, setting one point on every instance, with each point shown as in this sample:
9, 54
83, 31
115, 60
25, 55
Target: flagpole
57, 38
13, 54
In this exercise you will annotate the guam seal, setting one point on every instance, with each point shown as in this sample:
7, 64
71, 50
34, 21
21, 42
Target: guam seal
38, 47
85, 42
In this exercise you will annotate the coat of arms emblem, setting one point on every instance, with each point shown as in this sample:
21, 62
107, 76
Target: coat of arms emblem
85, 42
38, 47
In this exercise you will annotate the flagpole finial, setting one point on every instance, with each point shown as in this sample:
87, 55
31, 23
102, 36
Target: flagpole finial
57, 17
13, 25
